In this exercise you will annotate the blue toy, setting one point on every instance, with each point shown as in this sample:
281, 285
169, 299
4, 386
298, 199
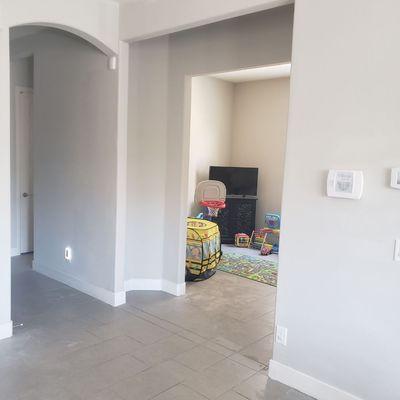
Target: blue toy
273, 221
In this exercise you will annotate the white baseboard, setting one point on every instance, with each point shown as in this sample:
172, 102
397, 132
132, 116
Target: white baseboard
119, 298
306, 383
6, 330
143, 284
15, 252
115, 299
177, 289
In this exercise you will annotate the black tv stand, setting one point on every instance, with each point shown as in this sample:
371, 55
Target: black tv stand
241, 196
239, 216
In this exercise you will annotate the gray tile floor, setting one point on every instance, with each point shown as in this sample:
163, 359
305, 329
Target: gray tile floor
213, 343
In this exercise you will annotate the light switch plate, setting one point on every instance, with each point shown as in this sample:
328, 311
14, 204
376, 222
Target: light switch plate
281, 335
68, 254
396, 256
395, 178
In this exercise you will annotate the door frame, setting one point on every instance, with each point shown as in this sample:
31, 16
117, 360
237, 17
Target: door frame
17, 250
107, 41
184, 194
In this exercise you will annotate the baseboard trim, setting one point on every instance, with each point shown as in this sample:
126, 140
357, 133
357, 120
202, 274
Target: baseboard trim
15, 252
143, 284
177, 289
114, 299
306, 383
6, 330
119, 298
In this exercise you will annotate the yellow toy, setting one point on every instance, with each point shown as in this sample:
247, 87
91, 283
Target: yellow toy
242, 240
203, 249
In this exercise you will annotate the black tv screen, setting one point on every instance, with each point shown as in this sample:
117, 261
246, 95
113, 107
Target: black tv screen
238, 181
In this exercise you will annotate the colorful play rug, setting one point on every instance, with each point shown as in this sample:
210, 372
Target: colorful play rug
256, 269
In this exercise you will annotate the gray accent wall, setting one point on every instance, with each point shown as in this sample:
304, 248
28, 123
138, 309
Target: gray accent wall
75, 158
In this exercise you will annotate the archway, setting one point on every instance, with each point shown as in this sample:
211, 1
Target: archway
114, 293
108, 51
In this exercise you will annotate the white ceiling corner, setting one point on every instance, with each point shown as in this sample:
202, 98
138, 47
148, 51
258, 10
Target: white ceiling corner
255, 74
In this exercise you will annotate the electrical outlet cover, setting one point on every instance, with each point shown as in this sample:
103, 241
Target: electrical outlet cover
395, 178
68, 254
396, 256
281, 335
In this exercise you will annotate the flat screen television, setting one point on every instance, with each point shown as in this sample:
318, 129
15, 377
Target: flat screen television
238, 181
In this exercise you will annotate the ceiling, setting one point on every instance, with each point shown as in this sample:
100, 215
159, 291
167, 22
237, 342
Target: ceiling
124, 1
255, 74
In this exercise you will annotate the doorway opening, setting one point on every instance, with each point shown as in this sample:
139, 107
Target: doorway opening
64, 123
238, 123
22, 160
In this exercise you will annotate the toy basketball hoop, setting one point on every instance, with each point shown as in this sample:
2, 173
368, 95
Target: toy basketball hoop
213, 207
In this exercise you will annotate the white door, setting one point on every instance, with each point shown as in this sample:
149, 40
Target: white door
23, 125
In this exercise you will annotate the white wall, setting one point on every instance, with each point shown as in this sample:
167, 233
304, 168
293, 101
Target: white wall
252, 40
338, 291
144, 19
5, 187
75, 157
21, 74
259, 137
95, 20
210, 130
148, 91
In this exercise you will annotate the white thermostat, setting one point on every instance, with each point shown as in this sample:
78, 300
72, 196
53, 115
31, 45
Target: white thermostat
345, 184
395, 179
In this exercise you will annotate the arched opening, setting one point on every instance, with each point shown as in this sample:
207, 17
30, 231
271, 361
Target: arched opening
64, 157
68, 29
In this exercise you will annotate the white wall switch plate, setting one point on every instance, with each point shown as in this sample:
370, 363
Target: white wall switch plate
281, 335
68, 254
396, 256
395, 178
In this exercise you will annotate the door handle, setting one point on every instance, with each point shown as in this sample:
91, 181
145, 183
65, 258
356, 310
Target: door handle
25, 194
